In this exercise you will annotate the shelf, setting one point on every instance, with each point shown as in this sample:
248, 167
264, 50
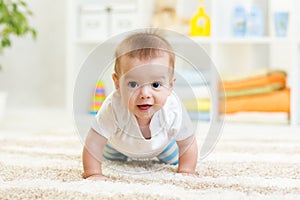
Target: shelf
252, 40
81, 41
202, 40
209, 40
232, 55
95, 42
245, 40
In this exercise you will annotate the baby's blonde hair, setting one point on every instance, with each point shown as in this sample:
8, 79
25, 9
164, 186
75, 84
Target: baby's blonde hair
145, 45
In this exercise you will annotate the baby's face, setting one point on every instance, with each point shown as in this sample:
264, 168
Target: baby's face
144, 85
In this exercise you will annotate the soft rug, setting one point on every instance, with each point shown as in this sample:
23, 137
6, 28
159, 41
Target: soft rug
248, 162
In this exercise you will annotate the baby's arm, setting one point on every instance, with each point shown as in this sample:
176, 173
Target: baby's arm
188, 155
92, 156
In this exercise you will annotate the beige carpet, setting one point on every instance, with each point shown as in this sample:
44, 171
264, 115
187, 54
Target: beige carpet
249, 162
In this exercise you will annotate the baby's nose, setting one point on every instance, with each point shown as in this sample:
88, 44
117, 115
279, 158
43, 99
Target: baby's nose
145, 92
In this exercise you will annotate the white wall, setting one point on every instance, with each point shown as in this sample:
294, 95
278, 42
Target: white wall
34, 71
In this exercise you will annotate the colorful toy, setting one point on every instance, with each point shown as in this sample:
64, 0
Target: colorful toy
98, 98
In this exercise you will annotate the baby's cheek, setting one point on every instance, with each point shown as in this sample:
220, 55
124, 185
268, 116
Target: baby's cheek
162, 100
130, 99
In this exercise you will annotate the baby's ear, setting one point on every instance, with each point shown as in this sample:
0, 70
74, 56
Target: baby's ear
172, 82
116, 80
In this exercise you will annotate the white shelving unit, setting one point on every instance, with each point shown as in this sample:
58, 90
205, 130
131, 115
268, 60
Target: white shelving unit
230, 54
104, 16
237, 55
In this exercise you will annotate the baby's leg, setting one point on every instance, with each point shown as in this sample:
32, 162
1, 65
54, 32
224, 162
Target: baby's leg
109, 153
170, 153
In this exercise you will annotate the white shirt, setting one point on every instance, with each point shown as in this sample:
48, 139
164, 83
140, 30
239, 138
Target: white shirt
120, 127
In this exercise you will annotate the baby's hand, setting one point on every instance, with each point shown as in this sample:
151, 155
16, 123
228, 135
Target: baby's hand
98, 177
194, 174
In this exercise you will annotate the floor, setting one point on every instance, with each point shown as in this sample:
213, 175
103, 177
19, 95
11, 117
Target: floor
41, 159
37, 120
53, 119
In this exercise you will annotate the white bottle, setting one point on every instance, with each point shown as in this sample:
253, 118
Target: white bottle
239, 21
255, 22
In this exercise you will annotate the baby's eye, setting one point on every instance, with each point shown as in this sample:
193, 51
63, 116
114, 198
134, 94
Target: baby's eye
133, 84
156, 84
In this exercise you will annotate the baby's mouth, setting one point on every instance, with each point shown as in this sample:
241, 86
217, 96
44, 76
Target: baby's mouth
144, 107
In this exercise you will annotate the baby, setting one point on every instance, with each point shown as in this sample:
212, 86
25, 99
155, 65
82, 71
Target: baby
142, 118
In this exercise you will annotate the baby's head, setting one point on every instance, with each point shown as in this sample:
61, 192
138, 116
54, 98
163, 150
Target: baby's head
144, 73
144, 47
